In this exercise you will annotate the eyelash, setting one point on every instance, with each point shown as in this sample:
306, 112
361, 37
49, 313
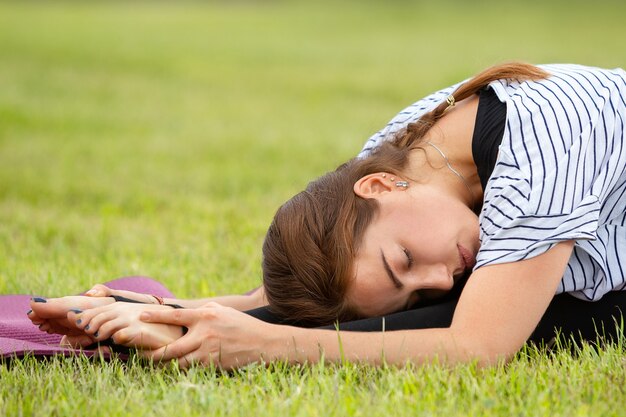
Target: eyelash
408, 256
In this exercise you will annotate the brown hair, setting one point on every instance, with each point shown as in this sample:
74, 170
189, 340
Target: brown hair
311, 244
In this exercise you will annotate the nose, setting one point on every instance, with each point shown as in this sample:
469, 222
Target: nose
432, 277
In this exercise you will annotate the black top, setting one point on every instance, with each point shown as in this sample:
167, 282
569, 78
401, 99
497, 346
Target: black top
488, 132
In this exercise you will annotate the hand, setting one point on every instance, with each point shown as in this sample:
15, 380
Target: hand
100, 290
120, 322
216, 335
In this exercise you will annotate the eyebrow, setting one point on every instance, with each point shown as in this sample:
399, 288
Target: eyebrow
396, 282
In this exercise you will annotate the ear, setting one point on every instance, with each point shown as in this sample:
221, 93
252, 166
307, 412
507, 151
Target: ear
373, 185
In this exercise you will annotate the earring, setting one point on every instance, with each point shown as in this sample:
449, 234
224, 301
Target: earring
403, 184
392, 179
384, 175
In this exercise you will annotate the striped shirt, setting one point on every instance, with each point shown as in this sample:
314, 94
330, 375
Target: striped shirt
560, 174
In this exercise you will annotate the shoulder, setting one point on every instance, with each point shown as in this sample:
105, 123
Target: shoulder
573, 86
407, 115
521, 219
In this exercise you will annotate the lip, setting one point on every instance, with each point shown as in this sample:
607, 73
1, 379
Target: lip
467, 259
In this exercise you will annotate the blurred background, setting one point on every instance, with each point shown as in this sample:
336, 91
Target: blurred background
158, 138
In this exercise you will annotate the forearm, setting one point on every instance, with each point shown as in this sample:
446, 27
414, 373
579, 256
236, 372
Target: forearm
498, 310
298, 345
223, 336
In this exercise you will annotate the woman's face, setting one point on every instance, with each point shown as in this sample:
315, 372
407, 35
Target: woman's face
419, 245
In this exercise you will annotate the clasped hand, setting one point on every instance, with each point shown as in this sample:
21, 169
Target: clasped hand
216, 335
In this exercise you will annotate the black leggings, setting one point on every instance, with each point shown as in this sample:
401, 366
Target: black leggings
570, 317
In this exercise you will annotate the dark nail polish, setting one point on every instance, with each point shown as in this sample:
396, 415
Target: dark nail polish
79, 321
28, 312
76, 311
87, 327
95, 334
39, 300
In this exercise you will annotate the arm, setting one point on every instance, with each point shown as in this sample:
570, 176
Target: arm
498, 310
254, 299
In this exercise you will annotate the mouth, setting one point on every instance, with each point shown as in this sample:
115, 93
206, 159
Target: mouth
467, 259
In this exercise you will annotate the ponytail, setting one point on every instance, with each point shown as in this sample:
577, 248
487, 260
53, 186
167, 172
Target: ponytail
513, 71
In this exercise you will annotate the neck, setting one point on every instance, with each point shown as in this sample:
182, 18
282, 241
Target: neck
446, 159
460, 176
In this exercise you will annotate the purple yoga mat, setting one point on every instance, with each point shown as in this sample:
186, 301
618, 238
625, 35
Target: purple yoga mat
18, 336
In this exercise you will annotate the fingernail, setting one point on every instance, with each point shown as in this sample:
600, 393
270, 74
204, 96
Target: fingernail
95, 334
40, 325
91, 292
39, 300
28, 312
76, 310
144, 316
87, 327
79, 321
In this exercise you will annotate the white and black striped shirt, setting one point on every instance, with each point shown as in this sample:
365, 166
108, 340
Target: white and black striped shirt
560, 174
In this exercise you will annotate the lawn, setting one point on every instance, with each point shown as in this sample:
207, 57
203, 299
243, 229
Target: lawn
158, 139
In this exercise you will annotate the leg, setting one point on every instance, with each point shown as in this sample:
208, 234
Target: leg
432, 316
436, 315
577, 320
566, 316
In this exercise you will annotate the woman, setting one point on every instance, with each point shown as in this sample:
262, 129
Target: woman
515, 176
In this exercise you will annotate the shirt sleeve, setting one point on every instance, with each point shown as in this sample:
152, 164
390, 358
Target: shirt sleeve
514, 222
406, 116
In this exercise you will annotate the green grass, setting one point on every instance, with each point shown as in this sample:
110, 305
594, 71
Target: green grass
158, 139
535, 384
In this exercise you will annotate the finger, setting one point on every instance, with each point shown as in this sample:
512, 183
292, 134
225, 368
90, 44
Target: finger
140, 337
94, 324
178, 317
90, 320
128, 338
174, 350
187, 361
196, 358
99, 290
107, 329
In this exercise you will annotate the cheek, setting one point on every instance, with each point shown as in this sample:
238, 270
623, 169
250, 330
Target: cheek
427, 227
372, 297
378, 305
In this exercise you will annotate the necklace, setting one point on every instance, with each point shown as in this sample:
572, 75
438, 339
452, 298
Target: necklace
455, 172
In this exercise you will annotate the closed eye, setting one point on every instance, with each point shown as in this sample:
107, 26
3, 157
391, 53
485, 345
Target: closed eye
409, 257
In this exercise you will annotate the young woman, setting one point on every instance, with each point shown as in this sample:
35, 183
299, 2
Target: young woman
511, 182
